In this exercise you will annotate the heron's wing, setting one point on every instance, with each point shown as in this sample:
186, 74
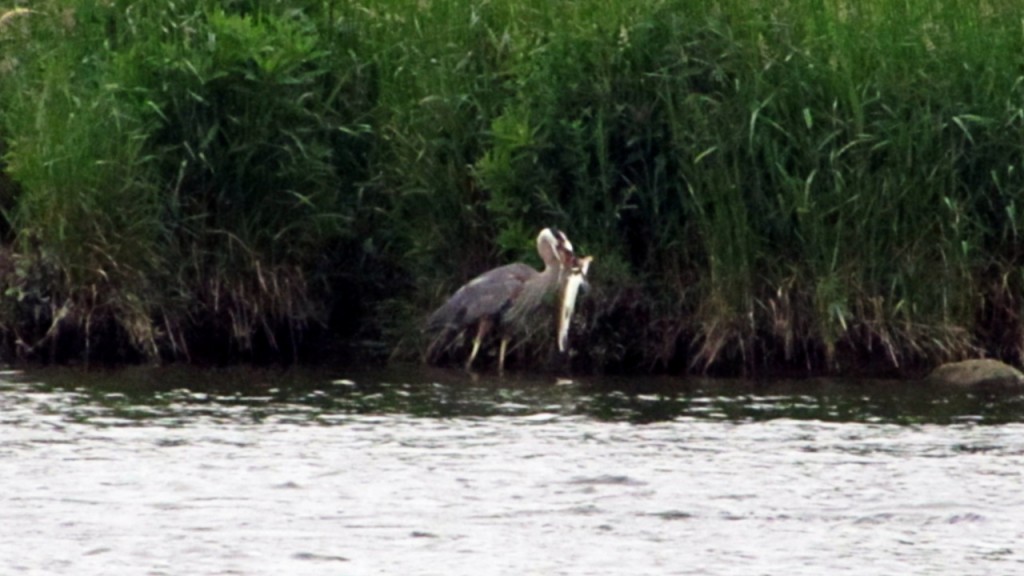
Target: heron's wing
486, 295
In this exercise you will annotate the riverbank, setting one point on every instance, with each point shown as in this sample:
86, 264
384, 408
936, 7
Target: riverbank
811, 187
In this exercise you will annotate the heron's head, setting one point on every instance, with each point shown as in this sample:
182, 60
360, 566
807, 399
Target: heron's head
555, 248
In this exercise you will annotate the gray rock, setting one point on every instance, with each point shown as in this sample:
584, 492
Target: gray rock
980, 372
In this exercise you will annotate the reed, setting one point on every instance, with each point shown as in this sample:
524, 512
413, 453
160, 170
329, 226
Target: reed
814, 184
183, 169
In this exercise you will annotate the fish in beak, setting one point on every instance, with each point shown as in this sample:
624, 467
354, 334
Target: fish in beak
576, 280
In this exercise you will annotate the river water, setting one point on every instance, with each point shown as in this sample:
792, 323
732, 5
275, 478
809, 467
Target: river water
186, 471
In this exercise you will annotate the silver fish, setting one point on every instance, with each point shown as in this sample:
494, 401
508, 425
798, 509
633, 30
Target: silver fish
577, 277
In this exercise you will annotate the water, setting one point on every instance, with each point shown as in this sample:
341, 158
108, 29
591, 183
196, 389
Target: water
182, 471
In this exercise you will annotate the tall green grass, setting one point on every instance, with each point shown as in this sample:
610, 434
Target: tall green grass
184, 168
815, 184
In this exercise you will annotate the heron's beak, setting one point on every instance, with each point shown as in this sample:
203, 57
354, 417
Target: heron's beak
577, 279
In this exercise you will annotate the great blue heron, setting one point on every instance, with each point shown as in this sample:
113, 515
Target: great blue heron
504, 298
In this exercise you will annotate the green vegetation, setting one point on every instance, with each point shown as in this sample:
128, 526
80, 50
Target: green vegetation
807, 184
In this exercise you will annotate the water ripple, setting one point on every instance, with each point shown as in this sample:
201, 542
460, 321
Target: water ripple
272, 474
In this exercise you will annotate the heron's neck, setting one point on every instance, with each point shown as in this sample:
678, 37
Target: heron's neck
552, 273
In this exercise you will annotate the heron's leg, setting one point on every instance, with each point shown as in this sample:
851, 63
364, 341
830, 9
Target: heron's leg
472, 355
501, 354
438, 345
481, 331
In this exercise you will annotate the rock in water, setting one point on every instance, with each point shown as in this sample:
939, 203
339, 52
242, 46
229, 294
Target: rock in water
980, 372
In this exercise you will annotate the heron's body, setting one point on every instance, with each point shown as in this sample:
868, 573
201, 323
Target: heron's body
501, 299
488, 295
